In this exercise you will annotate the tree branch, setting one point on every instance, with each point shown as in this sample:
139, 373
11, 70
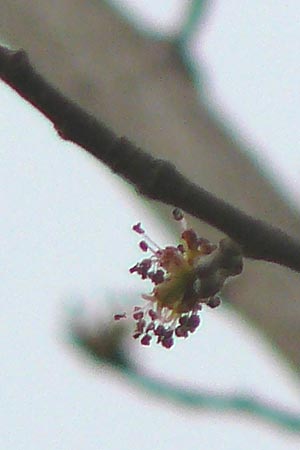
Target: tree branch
154, 178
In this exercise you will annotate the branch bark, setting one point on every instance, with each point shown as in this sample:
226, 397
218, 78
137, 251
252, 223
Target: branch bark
155, 178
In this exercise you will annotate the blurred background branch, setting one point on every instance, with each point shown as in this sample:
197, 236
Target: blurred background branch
107, 345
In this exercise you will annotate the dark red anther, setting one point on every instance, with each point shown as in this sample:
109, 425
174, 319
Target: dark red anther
181, 331
214, 302
134, 268
168, 334
167, 342
140, 325
193, 323
146, 339
183, 320
142, 268
143, 246
136, 335
138, 229
157, 277
153, 315
160, 330
120, 316
138, 315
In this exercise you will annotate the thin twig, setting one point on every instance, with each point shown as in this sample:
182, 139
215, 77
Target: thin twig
108, 346
154, 178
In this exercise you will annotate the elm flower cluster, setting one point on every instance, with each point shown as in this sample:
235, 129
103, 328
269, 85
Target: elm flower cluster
184, 278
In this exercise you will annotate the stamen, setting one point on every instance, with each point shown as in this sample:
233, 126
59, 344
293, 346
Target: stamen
150, 327
151, 242
138, 229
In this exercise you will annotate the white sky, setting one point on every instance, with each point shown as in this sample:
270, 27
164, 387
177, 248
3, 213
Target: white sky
66, 236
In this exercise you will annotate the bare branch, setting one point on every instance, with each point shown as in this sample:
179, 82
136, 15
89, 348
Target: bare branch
154, 178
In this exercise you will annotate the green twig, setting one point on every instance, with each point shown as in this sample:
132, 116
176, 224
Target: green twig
186, 397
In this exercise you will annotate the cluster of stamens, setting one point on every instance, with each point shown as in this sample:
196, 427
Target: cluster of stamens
184, 278
149, 324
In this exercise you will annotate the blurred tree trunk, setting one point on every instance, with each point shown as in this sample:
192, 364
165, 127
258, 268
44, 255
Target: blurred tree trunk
139, 88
